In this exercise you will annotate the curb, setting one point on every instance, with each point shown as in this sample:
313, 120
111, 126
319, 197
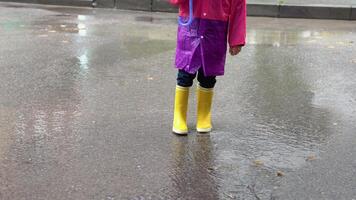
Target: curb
340, 12
77, 3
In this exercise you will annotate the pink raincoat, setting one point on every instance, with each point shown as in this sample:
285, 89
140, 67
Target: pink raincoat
204, 42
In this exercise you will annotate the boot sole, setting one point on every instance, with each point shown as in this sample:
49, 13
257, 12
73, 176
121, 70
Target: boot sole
204, 130
179, 132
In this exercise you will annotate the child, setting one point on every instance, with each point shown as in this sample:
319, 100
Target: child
201, 51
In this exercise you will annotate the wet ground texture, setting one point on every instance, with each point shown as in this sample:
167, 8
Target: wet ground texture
86, 100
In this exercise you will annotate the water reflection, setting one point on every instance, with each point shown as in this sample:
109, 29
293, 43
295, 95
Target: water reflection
6, 121
81, 25
82, 17
62, 24
20, 127
40, 127
277, 38
193, 170
84, 61
11, 25
82, 32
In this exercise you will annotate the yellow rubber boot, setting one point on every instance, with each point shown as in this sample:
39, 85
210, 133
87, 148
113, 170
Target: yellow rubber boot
180, 111
204, 98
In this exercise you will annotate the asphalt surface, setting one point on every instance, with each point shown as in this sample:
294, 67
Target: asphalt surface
86, 102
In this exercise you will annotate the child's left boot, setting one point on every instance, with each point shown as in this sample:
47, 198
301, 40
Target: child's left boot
204, 101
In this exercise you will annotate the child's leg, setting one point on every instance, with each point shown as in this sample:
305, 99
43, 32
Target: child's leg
184, 79
184, 82
207, 82
204, 102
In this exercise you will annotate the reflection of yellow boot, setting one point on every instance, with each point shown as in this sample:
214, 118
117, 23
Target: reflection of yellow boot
204, 98
180, 110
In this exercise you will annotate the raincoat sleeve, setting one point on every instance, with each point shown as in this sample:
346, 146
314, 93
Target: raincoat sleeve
237, 23
177, 2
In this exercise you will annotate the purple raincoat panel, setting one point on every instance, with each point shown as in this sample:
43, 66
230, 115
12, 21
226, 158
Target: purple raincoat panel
202, 44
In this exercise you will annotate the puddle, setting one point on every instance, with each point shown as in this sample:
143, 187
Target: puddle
12, 6
155, 20
144, 19
290, 37
61, 23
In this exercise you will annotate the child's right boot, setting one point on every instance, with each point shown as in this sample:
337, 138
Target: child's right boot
180, 111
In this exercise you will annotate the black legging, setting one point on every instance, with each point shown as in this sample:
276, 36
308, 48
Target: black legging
184, 79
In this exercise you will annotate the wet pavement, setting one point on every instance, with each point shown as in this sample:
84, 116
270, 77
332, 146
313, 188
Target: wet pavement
86, 110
